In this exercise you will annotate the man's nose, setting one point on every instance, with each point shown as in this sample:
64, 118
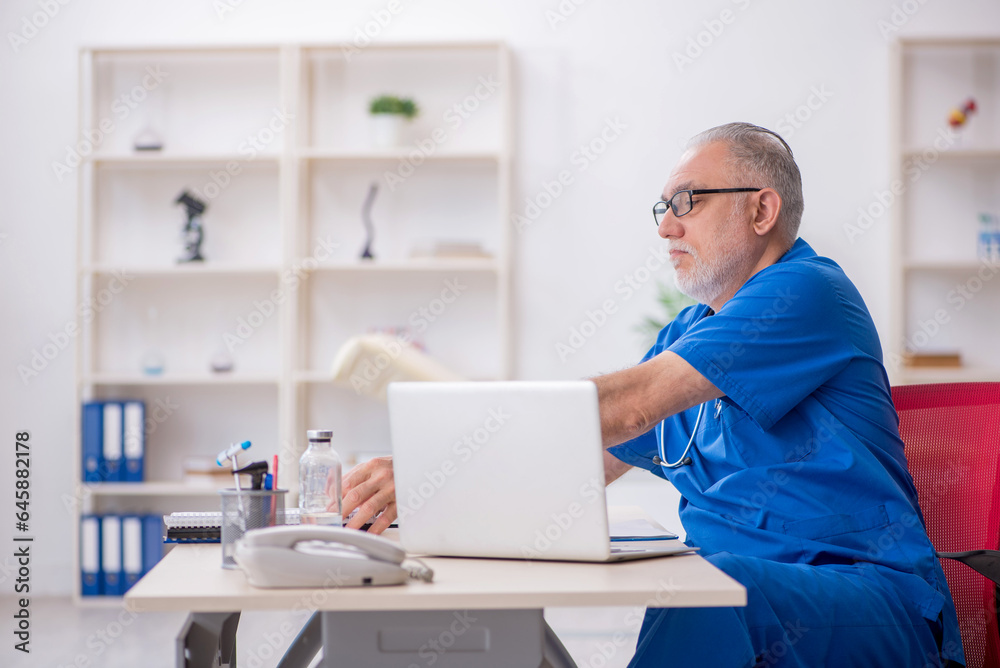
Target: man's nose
670, 226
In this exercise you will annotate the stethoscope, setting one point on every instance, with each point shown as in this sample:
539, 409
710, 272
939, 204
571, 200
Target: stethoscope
684, 460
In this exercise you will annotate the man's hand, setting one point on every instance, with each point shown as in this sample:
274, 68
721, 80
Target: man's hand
370, 488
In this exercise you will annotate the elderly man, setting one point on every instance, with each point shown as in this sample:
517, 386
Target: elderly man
767, 406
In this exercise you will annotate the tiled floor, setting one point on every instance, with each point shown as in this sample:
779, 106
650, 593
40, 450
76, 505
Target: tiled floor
64, 636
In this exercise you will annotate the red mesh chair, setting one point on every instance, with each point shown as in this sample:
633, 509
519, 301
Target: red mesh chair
952, 437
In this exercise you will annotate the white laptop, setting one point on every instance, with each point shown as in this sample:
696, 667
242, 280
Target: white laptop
504, 469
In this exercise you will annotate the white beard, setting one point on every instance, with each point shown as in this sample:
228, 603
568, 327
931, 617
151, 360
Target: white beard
707, 280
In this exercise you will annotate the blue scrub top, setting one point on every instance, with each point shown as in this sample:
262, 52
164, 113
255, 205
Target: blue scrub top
801, 460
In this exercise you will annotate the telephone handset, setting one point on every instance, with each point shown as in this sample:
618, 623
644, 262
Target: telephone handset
319, 556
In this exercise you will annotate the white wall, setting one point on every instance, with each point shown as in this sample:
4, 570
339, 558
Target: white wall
607, 62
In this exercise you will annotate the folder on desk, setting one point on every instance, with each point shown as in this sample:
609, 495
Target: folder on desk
90, 556
131, 550
134, 440
113, 445
92, 438
152, 541
111, 555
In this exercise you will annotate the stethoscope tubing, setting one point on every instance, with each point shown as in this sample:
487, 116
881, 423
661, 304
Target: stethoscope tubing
684, 460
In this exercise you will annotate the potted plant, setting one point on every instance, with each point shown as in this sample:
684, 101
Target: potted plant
672, 302
388, 113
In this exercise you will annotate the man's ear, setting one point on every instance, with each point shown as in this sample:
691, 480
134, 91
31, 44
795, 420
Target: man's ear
766, 212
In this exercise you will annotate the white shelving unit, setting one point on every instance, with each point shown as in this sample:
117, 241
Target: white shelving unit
944, 300
275, 139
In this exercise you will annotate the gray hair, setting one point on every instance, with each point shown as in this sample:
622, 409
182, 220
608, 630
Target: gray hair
763, 159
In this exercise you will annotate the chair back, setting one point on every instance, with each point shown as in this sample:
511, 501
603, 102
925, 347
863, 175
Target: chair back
952, 436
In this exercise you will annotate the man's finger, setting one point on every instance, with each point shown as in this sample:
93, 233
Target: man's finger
368, 498
368, 509
357, 475
384, 520
355, 497
356, 489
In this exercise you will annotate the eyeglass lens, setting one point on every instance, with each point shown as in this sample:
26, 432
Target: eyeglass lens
680, 203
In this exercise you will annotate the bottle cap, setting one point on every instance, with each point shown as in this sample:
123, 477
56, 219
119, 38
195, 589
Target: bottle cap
319, 434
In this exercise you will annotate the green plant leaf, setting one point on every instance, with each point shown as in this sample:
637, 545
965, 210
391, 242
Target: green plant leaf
672, 302
390, 104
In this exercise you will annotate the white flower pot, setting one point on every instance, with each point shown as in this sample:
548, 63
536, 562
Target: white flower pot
387, 130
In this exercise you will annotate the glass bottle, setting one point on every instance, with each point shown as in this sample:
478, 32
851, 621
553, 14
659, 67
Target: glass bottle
985, 238
319, 481
995, 246
152, 358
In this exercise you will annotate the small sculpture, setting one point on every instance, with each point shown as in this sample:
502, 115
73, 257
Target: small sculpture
960, 116
366, 218
148, 140
193, 233
221, 362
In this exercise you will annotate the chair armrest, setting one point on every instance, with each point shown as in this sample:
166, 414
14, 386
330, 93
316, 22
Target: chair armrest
985, 562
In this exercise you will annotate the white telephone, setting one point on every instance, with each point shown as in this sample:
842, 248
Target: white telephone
321, 556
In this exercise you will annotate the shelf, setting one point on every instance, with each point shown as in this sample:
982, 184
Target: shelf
168, 159
418, 265
398, 153
320, 377
942, 295
968, 265
911, 376
100, 602
318, 48
179, 379
317, 377
161, 488
274, 139
987, 41
187, 269
486, 264
955, 154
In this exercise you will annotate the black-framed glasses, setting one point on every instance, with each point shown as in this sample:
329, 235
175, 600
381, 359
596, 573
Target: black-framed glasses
681, 202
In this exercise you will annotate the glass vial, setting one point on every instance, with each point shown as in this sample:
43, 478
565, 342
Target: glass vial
984, 240
995, 246
319, 481
152, 358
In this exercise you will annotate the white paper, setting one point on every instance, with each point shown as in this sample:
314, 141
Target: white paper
639, 529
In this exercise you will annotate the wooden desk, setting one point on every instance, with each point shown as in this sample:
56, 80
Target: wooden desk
191, 578
508, 597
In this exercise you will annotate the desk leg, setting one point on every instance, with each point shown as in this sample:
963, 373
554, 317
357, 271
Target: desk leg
305, 646
208, 640
554, 654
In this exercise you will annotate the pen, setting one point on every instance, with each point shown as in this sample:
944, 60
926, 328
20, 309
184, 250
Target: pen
274, 485
232, 454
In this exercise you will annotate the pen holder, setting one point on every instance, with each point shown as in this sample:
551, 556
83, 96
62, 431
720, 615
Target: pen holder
243, 510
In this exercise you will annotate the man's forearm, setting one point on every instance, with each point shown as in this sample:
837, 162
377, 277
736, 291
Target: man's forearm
633, 401
614, 468
621, 415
